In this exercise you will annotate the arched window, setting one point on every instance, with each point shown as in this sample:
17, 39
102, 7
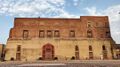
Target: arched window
90, 48
19, 48
89, 33
56, 33
25, 34
49, 33
103, 47
72, 33
76, 48
41, 33
89, 24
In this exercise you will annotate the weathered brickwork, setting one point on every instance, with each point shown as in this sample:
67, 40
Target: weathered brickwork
87, 37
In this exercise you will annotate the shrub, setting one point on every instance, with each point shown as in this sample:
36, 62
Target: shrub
40, 58
12, 59
55, 58
72, 58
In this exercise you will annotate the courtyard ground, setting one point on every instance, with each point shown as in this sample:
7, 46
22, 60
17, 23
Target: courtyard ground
80, 63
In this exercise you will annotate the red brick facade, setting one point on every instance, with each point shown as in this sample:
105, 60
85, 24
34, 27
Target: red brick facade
95, 26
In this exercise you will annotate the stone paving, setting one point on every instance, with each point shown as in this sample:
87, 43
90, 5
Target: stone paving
81, 63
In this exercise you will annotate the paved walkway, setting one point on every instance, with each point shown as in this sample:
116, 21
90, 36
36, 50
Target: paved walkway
81, 63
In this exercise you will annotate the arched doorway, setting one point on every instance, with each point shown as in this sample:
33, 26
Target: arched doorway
48, 52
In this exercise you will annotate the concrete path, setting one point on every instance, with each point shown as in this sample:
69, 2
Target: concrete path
80, 63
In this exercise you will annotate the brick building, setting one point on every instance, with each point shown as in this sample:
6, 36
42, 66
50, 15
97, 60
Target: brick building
87, 37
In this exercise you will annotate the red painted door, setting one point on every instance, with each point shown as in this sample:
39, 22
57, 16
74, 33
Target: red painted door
48, 52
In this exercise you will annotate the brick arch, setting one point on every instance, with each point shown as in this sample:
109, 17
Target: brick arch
48, 52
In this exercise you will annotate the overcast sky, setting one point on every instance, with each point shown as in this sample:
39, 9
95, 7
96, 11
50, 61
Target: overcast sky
9, 9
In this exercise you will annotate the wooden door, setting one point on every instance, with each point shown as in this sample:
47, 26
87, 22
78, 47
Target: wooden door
48, 52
